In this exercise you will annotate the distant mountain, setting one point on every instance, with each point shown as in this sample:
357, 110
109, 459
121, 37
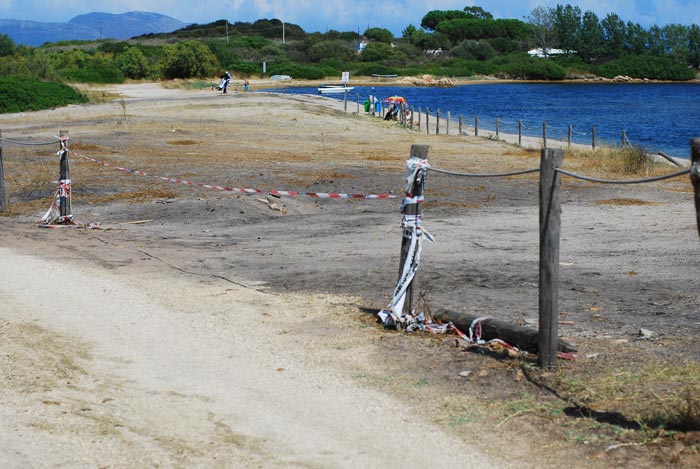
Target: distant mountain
90, 26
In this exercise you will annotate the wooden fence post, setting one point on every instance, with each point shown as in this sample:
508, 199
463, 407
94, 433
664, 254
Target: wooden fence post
593, 137
420, 111
695, 175
427, 121
460, 124
568, 138
3, 195
413, 113
623, 138
476, 126
498, 126
64, 202
550, 229
437, 122
544, 134
520, 133
412, 210
447, 127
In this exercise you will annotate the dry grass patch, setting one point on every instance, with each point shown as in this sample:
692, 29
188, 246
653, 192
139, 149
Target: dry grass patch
628, 384
623, 201
141, 196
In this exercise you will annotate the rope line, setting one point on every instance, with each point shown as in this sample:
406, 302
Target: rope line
315, 195
28, 143
487, 175
628, 181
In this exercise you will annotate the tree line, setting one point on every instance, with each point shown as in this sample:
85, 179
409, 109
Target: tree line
451, 43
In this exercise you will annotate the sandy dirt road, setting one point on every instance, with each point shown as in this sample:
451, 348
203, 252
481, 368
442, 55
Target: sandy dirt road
155, 371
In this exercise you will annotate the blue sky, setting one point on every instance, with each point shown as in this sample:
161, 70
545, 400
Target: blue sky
344, 15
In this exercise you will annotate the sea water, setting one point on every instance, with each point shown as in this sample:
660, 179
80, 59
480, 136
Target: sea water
654, 116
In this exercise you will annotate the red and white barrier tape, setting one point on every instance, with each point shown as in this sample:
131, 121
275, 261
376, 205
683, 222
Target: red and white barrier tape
317, 195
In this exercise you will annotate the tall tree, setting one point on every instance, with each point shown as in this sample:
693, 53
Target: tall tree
542, 22
478, 13
590, 46
694, 46
567, 26
614, 36
637, 39
676, 36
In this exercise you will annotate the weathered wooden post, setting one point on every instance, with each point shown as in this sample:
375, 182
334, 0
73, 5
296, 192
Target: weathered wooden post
476, 126
3, 195
569, 135
695, 175
544, 134
420, 111
447, 127
520, 133
413, 113
550, 229
427, 121
412, 213
623, 139
460, 124
593, 137
346, 100
437, 122
64, 202
498, 126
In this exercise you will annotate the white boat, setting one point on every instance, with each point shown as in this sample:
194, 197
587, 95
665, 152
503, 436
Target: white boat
334, 89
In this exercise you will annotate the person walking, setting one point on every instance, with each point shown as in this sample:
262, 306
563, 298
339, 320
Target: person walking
225, 79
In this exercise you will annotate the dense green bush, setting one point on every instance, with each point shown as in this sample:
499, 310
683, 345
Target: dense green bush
188, 59
133, 63
19, 94
376, 69
465, 68
475, 50
337, 49
530, 68
244, 68
308, 72
654, 68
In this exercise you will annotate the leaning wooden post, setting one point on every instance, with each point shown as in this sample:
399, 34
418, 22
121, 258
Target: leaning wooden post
695, 174
476, 126
412, 213
550, 228
3, 195
623, 139
460, 124
64, 203
447, 127
437, 122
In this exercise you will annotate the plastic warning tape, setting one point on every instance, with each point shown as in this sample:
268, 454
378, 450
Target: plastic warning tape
316, 195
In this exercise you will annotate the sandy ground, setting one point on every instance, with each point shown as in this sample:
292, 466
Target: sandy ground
212, 329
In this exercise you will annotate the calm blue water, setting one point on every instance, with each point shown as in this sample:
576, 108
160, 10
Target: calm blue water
657, 117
